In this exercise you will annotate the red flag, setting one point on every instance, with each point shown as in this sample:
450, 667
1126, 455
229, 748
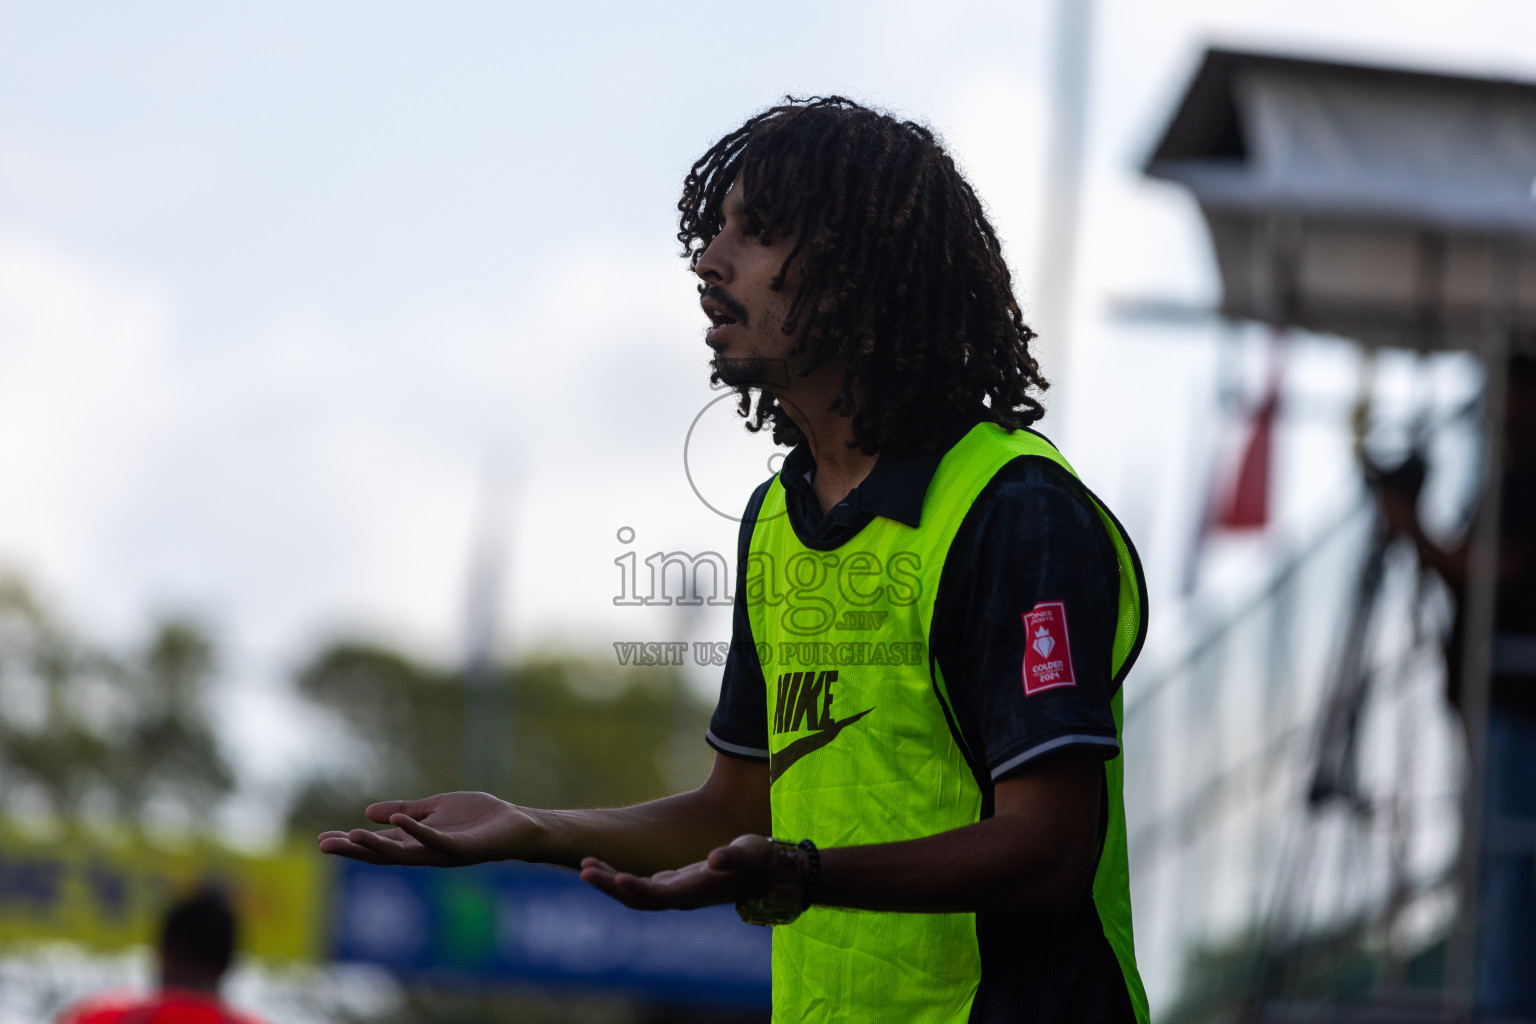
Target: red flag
1247, 504
1241, 502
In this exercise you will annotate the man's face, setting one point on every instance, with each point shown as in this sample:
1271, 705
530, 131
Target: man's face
746, 314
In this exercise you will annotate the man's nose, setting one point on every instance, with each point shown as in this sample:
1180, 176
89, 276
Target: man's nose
714, 266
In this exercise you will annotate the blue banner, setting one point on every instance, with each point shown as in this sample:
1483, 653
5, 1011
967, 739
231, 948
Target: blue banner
535, 925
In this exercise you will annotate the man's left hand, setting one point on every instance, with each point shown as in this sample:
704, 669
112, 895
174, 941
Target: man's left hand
742, 870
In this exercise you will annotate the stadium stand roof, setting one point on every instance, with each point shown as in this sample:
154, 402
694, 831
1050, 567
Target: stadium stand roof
1375, 203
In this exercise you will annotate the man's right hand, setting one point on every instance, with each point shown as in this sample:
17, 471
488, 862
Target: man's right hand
447, 830
454, 829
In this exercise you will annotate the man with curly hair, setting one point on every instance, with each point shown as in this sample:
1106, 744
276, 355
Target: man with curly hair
918, 775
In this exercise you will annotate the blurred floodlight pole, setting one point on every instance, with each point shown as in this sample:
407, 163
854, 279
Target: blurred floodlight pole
1055, 276
485, 748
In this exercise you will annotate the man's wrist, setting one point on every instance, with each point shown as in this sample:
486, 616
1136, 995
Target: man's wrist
793, 878
542, 843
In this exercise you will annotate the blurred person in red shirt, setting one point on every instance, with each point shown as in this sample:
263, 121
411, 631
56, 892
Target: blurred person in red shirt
197, 943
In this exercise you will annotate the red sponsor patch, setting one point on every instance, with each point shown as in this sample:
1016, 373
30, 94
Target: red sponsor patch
1047, 652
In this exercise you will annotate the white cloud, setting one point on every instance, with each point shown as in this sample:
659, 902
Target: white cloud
318, 478
996, 122
83, 357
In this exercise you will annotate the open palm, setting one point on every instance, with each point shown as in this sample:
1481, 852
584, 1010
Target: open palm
744, 868
447, 830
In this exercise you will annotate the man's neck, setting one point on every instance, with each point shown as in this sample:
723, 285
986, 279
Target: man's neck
838, 471
839, 467
199, 982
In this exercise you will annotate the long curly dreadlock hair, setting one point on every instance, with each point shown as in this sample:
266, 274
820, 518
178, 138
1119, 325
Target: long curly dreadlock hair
902, 275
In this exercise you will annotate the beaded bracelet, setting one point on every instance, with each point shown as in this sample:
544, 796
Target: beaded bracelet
814, 877
796, 872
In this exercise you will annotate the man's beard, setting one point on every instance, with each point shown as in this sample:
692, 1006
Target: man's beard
749, 372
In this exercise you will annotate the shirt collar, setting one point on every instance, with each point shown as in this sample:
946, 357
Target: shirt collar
894, 488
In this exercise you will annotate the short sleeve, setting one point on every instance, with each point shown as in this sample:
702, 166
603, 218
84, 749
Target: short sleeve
739, 726
1024, 621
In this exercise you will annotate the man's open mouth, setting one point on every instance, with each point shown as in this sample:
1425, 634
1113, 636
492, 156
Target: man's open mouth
721, 308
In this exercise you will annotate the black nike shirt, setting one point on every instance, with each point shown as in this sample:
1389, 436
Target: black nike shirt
1031, 549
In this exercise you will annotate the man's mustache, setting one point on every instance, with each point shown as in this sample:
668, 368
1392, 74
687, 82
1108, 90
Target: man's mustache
727, 301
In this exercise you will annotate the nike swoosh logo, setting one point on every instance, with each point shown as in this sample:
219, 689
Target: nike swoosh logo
780, 763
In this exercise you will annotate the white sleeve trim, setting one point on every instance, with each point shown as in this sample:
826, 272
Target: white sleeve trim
757, 753
1050, 745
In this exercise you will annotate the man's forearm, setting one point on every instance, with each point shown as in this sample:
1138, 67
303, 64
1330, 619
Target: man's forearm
1000, 864
1036, 853
661, 834
642, 839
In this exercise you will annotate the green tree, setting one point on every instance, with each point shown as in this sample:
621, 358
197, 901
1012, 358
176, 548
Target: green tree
86, 732
564, 733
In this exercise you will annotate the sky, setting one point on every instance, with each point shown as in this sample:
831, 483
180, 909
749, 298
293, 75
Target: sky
303, 305
288, 297
300, 307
